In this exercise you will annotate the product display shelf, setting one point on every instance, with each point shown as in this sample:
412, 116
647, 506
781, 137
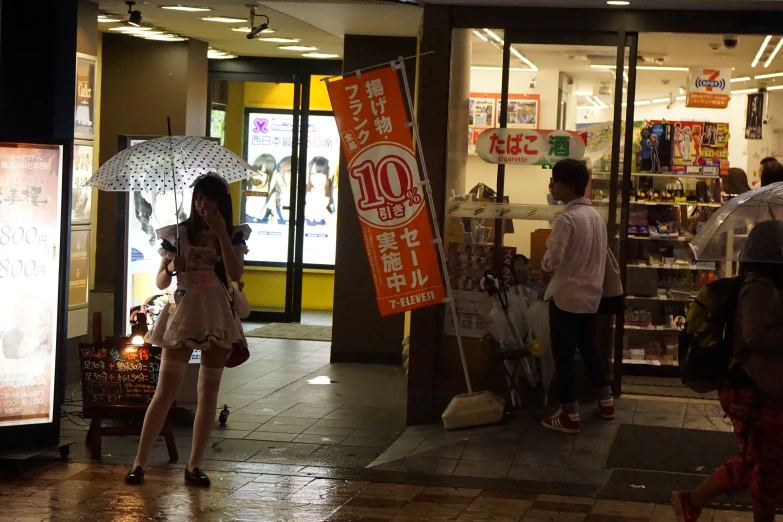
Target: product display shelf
655, 328
477, 209
674, 267
600, 175
680, 239
643, 362
659, 298
665, 203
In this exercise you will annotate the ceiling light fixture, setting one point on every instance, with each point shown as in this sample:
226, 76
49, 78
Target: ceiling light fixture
523, 59
493, 68
135, 16
300, 48
774, 53
129, 29
584, 93
741, 79
188, 8
142, 34
755, 61
592, 102
109, 19
771, 75
222, 19
320, 55
661, 100
775, 88
600, 102
247, 30
480, 35
222, 57
640, 67
163, 38
278, 40
493, 35
255, 30
680, 98
744, 91
618, 2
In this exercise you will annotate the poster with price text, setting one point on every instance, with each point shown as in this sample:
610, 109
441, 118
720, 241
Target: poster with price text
372, 121
30, 199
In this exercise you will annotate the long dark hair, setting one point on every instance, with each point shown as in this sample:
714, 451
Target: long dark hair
214, 188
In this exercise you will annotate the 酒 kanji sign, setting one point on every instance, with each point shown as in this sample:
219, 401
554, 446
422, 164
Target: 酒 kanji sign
530, 147
708, 88
373, 124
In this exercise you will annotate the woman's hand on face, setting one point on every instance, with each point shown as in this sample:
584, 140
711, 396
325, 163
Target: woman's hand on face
214, 221
177, 264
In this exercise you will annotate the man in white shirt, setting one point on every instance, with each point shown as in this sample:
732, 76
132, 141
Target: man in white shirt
574, 266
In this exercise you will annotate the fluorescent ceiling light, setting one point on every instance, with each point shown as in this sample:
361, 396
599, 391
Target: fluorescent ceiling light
300, 48
480, 35
680, 98
494, 36
761, 51
247, 30
774, 53
599, 101
642, 102
775, 88
221, 57
320, 55
771, 75
489, 68
164, 38
105, 19
744, 91
661, 100
584, 93
592, 102
189, 8
641, 67
129, 29
523, 59
618, 2
741, 79
278, 40
223, 19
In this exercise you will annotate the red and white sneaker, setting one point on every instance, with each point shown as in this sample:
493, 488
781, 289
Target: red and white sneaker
683, 509
606, 408
562, 421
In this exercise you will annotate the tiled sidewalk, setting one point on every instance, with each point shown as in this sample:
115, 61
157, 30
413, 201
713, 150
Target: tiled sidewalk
92, 493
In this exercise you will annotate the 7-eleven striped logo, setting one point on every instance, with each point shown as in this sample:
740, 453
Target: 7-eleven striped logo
712, 75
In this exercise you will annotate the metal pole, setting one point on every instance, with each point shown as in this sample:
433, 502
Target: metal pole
425, 183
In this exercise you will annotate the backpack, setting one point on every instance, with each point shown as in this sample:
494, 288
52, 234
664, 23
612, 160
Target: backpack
705, 345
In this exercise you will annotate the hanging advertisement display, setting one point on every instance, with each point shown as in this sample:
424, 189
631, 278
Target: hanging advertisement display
530, 147
709, 88
81, 196
754, 116
79, 268
266, 196
30, 221
484, 113
84, 111
376, 139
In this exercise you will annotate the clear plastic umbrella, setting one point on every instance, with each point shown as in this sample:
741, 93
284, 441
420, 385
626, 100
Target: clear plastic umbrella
723, 236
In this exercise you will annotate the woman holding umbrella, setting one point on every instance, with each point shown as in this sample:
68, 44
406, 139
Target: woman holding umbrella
752, 395
205, 252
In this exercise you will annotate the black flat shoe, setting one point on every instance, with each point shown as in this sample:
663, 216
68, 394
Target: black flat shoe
197, 478
135, 477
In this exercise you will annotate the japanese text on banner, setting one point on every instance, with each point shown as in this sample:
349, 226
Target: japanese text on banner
372, 119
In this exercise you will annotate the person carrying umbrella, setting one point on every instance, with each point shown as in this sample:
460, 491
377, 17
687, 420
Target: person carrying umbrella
752, 394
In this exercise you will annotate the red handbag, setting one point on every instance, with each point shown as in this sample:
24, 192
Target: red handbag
238, 354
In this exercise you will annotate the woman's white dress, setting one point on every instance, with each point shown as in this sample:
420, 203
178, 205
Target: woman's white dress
201, 315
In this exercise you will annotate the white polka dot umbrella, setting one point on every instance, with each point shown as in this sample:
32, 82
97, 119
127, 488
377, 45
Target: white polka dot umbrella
148, 165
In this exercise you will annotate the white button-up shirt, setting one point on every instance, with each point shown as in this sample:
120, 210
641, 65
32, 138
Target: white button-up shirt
576, 257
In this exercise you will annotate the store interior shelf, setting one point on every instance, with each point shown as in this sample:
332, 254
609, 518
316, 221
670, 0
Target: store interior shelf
658, 328
607, 175
648, 238
477, 209
659, 298
666, 203
650, 363
673, 267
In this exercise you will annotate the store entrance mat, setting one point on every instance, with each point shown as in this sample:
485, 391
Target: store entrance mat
656, 487
677, 450
302, 332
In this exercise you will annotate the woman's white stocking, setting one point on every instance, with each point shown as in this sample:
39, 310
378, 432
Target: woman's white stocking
208, 388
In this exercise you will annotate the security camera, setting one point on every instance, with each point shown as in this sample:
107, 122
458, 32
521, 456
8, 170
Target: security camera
256, 30
730, 41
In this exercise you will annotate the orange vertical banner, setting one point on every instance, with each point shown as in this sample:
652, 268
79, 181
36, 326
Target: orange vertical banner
376, 138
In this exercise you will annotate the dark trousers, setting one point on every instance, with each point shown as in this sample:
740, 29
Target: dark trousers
571, 332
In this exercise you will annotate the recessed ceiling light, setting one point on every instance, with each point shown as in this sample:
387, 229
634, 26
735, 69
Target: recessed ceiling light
480, 35
523, 59
300, 48
223, 19
641, 68
144, 34
220, 56
618, 2
494, 36
760, 52
320, 55
278, 40
189, 8
109, 19
774, 53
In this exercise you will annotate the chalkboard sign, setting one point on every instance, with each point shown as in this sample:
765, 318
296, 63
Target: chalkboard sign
114, 373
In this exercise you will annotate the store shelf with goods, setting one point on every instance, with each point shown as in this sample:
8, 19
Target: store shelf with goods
477, 209
653, 328
664, 298
681, 239
665, 203
674, 267
603, 176
645, 362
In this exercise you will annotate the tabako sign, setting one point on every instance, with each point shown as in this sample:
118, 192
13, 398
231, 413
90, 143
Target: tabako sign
372, 121
708, 88
530, 147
